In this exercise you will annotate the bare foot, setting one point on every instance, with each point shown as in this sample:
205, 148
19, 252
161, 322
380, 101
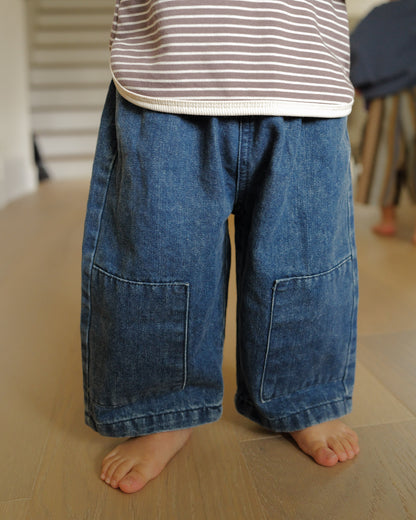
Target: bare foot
387, 225
135, 462
385, 230
328, 443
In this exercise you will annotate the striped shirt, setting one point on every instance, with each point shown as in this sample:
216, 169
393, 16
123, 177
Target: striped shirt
233, 57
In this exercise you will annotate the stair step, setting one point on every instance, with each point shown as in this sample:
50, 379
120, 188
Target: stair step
70, 167
63, 120
67, 98
89, 19
69, 78
55, 146
74, 38
55, 77
77, 4
73, 56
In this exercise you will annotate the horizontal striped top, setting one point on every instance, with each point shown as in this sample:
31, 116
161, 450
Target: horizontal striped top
233, 57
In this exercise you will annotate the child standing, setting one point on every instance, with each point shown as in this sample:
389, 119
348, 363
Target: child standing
218, 108
387, 81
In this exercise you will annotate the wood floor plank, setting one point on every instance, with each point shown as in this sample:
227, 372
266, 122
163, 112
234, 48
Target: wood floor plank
29, 224
14, 510
68, 484
392, 357
367, 216
373, 404
38, 293
379, 484
387, 274
383, 309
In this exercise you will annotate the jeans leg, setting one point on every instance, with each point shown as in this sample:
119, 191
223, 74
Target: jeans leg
155, 272
296, 274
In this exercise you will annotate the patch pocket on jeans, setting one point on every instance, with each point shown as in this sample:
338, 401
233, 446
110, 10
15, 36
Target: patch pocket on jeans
310, 332
137, 338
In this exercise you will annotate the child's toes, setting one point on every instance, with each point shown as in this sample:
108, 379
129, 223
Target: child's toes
107, 474
325, 456
133, 481
119, 473
107, 463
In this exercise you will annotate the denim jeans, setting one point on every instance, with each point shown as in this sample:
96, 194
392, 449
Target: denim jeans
156, 257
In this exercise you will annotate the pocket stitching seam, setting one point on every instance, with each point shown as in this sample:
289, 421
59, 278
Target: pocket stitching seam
186, 285
263, 398
310, 276
134, 282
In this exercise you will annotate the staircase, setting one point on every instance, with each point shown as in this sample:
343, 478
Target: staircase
69, 77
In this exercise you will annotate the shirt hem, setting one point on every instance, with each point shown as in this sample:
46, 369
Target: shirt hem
233, 107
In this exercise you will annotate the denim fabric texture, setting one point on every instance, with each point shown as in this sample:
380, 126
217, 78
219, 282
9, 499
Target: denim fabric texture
156, 259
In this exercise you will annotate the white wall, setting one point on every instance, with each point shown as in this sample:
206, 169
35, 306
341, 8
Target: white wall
17, 172
358, 8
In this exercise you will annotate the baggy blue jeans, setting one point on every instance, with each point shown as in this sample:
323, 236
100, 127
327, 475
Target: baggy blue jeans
156, 258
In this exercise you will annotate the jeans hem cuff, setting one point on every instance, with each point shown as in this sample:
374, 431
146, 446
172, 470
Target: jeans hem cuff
148, 424
298, 420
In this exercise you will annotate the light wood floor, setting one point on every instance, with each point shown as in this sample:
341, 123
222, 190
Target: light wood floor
231, 469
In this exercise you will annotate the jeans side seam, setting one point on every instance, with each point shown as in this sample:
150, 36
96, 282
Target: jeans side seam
352, 329
355, 280
91, 266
